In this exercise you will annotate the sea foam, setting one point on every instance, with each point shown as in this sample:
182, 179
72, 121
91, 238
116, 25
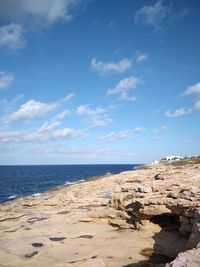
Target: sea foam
70, 183
12, 197
36, 195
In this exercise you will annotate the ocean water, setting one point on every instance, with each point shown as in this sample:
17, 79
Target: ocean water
17, 181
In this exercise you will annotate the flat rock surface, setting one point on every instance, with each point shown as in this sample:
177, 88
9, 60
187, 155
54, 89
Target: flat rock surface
106, 222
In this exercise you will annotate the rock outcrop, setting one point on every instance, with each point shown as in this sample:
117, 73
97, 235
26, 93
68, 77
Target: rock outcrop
148, 217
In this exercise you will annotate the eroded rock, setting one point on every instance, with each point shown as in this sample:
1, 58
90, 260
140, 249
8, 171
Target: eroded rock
147, 216
189, 258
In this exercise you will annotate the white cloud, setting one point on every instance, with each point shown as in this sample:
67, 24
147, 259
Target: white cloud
5, 80
121, 134
60, 116
153, 15
46, 127
126, 97
77, 151
115, 135
99, 121
140, 57
177, 113
193, 89
94, 117
111, 67
7, 105
123, 86
63, 149
45, 12
67, 133
68, 97
47, 132
30, 110
86, 110
49, 10
32, 14
12, 37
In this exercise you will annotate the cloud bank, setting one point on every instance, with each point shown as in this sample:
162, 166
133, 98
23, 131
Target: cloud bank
45, 12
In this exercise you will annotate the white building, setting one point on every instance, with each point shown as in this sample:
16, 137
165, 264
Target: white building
171, 158
167, 159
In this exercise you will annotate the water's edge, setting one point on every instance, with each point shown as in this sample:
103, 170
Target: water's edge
13, 197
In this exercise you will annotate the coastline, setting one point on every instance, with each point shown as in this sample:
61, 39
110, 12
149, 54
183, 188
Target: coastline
13, 191
59, 187
104, 221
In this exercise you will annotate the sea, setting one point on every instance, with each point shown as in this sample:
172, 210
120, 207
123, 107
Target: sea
18, 181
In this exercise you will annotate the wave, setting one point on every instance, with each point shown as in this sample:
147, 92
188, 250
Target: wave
36, 195
12, 197
70, 183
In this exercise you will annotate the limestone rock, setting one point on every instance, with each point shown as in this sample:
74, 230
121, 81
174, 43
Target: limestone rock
158, 177
120, 220
189, 258
143, 189
85, 263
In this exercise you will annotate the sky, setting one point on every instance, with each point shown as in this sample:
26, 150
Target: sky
98, 82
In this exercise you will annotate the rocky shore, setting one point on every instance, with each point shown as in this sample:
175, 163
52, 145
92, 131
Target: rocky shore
146, 217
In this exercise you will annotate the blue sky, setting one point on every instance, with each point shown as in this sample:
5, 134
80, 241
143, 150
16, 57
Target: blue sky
98, 81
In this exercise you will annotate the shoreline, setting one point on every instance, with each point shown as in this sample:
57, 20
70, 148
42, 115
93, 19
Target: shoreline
90, 178
57, 188
108, 221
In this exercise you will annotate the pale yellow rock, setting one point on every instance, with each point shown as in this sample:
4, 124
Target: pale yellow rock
85, 263
113, 222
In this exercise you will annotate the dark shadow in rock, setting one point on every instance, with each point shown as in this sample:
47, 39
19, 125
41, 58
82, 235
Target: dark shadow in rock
57, 238
27, 228
11, 231
86, 236
82, 260
143, 264
36, 219
156, 260
123, 190
167, 222
168, 243
63, 212
30, 255
94, 257
89, 206
37, 245
158, 177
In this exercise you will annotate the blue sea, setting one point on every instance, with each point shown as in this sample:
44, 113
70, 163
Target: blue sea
17, 181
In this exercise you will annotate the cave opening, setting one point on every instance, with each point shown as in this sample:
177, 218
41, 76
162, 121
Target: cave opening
168, 241
167, 222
